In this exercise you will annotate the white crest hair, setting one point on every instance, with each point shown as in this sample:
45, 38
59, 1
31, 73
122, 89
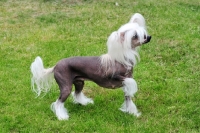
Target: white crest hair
138, 18
119, 46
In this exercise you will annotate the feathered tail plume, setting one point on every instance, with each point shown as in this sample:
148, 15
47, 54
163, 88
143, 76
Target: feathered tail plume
42, 78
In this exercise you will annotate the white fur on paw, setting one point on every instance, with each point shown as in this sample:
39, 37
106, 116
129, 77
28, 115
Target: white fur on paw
59, 110
81, 99
131, 109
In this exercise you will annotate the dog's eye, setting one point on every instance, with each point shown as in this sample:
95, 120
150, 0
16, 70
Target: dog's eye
135, 37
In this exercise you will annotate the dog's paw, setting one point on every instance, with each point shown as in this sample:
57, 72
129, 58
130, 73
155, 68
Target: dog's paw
81, 99
138, 114
130, 108
59, 110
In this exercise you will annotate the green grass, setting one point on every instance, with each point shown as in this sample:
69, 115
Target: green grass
168, 75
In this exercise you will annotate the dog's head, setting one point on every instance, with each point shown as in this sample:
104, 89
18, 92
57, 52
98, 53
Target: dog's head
131, 34
123, 42
135, 31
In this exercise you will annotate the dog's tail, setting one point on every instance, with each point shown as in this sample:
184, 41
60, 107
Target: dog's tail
42, 78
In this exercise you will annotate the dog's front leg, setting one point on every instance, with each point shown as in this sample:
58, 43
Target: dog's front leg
129, 88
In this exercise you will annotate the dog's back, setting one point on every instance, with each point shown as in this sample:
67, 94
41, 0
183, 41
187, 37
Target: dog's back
89, 68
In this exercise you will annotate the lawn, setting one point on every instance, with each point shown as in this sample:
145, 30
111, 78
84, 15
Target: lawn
168, 74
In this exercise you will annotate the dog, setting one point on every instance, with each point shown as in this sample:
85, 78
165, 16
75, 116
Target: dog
111, 70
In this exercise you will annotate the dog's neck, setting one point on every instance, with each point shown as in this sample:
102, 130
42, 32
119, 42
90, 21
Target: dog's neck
108, 63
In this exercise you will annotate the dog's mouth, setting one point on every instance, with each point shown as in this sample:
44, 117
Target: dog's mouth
148, 38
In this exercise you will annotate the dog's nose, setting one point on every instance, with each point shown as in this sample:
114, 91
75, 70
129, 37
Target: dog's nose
148, 38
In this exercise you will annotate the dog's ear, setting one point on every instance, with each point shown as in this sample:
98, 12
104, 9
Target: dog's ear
122, 34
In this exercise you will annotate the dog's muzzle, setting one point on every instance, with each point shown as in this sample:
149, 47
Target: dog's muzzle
148, 39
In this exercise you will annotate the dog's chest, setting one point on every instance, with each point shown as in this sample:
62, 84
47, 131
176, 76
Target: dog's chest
108, 82
112, 84
114, 80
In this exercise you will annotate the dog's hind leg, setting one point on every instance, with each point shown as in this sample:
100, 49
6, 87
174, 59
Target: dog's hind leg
58, 106
65, 90
78, 95
129, 88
